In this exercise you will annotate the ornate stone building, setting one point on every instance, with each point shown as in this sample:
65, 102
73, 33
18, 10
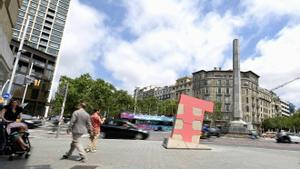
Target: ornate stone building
216, 85
182, 86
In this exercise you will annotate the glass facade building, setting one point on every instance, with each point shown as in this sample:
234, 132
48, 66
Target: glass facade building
47, 24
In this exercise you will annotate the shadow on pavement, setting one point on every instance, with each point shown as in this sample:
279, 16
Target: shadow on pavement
84, 167
38, 167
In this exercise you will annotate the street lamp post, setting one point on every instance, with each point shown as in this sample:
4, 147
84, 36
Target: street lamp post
135, 99
62, 111
18, 55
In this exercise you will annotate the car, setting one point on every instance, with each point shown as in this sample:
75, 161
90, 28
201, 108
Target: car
116, 128
285, 137
30, 121
55, 119
214, 132
208, 132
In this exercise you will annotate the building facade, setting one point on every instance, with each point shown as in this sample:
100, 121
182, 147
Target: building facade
269, 105
8, 17
43, 68
182, 86
42, 44
164, 93
148, 91
217, 86
46, 27
284, 108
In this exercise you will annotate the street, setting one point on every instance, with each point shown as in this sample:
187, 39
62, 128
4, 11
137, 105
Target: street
226, 153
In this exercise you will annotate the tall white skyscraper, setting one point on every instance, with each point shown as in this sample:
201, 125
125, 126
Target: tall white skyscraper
41, 49
47, 25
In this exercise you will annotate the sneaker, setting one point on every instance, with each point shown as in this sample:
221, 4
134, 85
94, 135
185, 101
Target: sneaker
87, 150
81, 159
94, 151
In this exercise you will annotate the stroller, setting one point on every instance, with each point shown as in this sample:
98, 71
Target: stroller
8, 145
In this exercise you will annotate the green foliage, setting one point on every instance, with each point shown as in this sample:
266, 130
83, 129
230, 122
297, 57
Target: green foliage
286, 123
217, 114
100, 94
151, 105
96, 93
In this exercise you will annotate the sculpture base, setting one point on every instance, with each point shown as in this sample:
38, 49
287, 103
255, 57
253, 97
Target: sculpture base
170, 143
238, 127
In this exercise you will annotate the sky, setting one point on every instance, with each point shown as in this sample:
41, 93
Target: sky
154, 42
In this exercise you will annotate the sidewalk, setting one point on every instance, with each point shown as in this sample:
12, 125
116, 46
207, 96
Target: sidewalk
132, 154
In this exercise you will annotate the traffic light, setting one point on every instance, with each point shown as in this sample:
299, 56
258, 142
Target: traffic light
37, 83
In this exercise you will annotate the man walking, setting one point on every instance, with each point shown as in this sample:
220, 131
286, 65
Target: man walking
80, 123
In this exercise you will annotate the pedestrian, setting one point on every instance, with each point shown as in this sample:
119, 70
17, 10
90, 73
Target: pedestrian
80, 124
96, 123
11, 112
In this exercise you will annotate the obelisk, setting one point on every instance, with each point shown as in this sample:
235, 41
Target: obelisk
237, 102
237, 127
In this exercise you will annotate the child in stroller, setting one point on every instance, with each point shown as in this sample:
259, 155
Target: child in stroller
16, 141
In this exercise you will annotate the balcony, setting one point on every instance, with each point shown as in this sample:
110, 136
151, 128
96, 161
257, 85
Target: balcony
24, 58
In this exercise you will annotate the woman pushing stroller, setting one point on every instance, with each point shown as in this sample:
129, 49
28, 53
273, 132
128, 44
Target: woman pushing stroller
11, 114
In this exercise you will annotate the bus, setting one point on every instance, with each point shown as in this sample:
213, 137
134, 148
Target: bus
149, 122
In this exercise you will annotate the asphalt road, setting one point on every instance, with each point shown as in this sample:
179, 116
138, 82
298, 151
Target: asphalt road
224, 141
139, 154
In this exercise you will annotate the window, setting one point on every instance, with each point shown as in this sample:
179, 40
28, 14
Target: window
227, 108
59, 21
39, 20
37, 26
21, 14
64, 5
42, 48
54, 45
58, 27
52, 51
219, 90
247, 100
32, 11
247, 108
57, 33
34, 5
227, 90
41, 14
36, 32
218, 98
34, 38
42, 8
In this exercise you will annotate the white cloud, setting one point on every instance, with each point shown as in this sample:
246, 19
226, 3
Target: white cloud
172, 37
271, 9
84, 33
277, 61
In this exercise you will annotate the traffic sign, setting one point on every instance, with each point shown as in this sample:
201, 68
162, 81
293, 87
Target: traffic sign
6, 96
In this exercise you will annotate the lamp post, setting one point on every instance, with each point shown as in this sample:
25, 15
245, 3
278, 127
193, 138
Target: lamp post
62, 110
135, 99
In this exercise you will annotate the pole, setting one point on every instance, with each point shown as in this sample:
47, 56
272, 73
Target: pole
135, 99
62, 111
18, 55
26, 87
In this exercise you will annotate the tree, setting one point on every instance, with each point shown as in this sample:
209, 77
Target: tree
217, 114
96, 93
